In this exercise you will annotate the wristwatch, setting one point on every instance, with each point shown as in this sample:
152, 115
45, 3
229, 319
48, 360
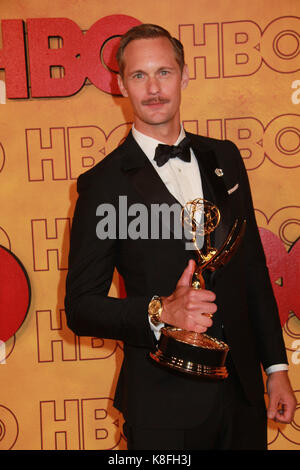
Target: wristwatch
155, 309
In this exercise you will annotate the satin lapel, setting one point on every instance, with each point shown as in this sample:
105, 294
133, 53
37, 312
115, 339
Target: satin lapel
214, 188
144, 177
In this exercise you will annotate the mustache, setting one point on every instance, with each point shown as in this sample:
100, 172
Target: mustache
156, 100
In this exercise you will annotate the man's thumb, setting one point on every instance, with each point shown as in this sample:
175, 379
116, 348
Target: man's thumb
272, 408
186, 276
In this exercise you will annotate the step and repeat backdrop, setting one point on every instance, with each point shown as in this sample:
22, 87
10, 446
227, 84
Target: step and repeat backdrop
60, 114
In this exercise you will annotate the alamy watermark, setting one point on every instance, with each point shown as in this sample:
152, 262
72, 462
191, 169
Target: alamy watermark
137, 221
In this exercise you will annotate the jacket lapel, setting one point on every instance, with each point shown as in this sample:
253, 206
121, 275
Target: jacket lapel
145, 179
143, 176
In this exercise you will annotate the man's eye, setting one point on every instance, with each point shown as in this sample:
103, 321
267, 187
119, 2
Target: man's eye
164, 72
138, 75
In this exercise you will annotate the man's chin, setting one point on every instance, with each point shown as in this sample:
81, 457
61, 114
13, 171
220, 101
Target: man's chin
156, 120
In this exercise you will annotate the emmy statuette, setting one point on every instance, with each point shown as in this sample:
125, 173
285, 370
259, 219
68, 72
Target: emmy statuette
189, 352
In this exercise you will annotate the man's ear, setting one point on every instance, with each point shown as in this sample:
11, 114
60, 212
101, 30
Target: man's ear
122, 86
184, 77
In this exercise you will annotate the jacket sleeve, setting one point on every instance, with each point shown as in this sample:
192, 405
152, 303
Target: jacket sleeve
89, 310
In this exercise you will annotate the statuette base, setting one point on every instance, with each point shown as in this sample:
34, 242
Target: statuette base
191, 353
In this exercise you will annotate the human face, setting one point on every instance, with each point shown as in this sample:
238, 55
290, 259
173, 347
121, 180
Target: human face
153, 81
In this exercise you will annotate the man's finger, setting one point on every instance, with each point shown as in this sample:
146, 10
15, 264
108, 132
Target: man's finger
186, 277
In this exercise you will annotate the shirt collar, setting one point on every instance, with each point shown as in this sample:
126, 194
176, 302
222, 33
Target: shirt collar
149, 144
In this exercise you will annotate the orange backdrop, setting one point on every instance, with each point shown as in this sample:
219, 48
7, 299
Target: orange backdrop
56, 389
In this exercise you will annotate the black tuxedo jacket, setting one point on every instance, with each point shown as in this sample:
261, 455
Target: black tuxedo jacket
146, 394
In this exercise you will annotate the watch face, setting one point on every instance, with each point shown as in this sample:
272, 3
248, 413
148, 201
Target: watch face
155, 306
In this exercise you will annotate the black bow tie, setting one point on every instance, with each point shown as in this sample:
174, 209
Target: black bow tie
164, 152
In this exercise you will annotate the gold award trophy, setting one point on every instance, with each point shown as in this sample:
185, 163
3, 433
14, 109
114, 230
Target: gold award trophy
186, 351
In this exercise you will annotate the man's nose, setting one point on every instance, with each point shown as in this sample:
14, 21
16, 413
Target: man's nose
153, 86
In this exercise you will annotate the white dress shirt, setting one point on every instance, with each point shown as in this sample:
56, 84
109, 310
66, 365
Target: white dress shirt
183, 181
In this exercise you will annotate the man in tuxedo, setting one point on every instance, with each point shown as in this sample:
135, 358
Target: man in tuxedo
165, 409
